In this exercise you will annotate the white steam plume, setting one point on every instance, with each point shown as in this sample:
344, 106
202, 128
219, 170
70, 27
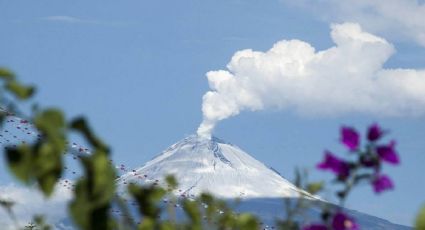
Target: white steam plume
346, 78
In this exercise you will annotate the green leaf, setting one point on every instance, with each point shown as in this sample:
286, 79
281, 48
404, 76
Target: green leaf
6, 74
171, 182
94, 193
248, 222
147, 224
41, 163
51, 122
48, 164
420, 219
19, 90
167, 225
40, 223
87, 213
191, 209
211, 205
314, 188
20, 162
207, 198
147, 199
102, 176
81, 125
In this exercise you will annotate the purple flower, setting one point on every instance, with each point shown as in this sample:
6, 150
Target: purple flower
341, 221
382, 183
336, 165
374, 132
315, 227
350, 138
387, 153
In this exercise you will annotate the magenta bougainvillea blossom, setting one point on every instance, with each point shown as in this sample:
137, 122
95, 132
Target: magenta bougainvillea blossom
363, 165
340, 221
381, 183
369, 158
387, 153
350, 138
336, 165
374, 132
315, 227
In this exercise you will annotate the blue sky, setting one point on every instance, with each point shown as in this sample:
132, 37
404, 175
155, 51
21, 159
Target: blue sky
137, 70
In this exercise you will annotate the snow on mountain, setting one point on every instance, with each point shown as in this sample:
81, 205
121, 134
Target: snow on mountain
212, 165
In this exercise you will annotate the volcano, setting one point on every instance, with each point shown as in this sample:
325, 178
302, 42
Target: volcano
214, 166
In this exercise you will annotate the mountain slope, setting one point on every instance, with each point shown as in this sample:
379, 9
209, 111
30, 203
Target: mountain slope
212, 165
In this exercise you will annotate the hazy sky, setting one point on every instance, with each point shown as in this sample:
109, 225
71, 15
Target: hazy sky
137, 69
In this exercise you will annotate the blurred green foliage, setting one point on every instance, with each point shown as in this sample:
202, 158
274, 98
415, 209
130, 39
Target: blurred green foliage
15, 87
94, 192
420, 219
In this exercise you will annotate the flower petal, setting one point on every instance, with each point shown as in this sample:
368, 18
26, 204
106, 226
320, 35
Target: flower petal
315, 227
387, 153
382, 183
336, 165
374, 132
350, 138
341, 221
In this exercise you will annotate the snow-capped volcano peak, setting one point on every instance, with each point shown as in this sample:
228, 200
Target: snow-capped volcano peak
211, 165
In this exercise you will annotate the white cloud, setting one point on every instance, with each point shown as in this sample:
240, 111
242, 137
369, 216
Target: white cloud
346, 78
400, 19
62, 18
29, 202
80, 21
74, 20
